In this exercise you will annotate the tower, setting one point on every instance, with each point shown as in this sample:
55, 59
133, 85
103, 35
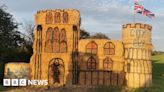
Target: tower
138, 47
55, 39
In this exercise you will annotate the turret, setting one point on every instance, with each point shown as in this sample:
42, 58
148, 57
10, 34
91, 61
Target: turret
138, 47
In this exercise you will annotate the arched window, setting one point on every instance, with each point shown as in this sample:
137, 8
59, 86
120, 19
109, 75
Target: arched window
65, 17
49, 18
91, 48
108, 63
56, 40
57, 17
48, 44
91, 63
109, 48
63, 41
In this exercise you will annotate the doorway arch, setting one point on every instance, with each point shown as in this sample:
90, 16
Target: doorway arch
56, 71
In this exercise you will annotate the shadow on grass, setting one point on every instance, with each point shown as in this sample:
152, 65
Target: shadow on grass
3, 89
158, 76
90, 89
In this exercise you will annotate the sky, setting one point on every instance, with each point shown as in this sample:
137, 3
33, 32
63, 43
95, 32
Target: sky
106, 16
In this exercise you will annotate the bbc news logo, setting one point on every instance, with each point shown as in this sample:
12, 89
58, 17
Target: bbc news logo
23, 82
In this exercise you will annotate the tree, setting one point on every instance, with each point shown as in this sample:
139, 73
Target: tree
84, 34
29, 29
10, 37
11, 41
99, 36
29, 37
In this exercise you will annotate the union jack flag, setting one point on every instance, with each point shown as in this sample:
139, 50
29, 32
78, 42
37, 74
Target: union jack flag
141, 10
148, 13
138, 9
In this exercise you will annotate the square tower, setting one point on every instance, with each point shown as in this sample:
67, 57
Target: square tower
55, 40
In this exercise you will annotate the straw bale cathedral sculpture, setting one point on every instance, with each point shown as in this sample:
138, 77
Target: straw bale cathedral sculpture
62, 58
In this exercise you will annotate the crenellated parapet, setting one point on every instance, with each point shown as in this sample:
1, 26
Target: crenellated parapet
138, 25
58, 16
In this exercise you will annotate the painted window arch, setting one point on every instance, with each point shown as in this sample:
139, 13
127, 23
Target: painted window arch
91, 63
107, 63
91, 47
109, 48
49, 18
65, 17
57, 17
63, 41
48, 44
56, 40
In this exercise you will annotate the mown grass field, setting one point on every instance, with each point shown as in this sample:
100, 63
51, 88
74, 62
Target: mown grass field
158, 82
158, 73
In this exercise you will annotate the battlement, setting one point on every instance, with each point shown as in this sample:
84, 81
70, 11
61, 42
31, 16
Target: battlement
57, 10
58, 16
137, 25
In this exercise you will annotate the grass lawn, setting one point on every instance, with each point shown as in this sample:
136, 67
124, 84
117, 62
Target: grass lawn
158, 73
158, 81
2, 88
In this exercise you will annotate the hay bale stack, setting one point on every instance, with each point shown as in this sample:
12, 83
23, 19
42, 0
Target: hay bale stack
138, 47
17, 70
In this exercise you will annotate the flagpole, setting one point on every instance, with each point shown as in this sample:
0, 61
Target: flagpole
134, 14
134, 17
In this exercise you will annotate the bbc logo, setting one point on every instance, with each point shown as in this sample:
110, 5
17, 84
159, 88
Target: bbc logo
14, 82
